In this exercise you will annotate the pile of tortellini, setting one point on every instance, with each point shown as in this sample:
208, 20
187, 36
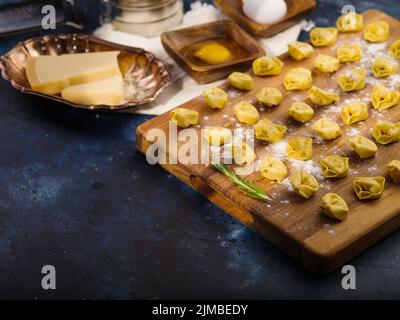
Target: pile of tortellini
301, 148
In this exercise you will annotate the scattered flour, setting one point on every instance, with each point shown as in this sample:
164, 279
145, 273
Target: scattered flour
279, 149
308, 166
287, 184
353, 132
373, 169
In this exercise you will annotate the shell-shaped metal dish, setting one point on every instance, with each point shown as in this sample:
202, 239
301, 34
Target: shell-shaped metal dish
148, 75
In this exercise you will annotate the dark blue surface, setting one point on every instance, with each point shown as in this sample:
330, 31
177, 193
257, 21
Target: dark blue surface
75, 193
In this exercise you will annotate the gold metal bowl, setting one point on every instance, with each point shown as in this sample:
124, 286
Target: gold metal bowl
140, 68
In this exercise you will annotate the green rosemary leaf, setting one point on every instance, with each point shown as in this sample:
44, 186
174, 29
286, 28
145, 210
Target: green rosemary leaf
249, 188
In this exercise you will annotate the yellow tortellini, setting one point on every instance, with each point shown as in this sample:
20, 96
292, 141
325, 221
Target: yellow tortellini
393, 169
349, 52
300, 50
353, 80
368, 188
242, 81
216, 98
322, 37
385, 132
268, 131
273, 169
300, 148
326, 129
364, 147
326, 63
334, 166
270, 97
304, 184
298, 79
217, 136
350, 22
395, 49
184, 118
385, 66
321, 97
377, 31
242, 153
267, 66
354, 112
246, 113
383, 98
301, 111
334, 206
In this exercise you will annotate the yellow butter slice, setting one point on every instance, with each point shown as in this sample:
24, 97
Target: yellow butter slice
107, 92
52, 74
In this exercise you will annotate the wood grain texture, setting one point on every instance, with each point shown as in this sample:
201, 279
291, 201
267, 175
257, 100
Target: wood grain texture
297, 9
293, 224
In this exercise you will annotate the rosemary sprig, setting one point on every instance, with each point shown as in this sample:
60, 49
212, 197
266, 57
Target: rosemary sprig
247, 187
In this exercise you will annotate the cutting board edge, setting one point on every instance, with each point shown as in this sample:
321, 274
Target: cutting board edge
325, 262
272, 233
318, 261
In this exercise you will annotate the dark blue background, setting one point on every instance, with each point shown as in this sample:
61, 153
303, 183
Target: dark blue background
76, 193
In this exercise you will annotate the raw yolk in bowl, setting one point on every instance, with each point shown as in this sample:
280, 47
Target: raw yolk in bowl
213, 53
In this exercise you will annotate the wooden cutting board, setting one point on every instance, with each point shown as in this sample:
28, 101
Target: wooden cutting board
293, 224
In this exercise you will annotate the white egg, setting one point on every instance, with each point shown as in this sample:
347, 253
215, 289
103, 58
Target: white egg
265, 11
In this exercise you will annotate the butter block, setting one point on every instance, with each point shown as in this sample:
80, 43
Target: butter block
108, 92
52, 74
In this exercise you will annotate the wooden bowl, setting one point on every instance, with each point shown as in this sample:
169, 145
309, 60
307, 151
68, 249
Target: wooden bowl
150, 74
175, 43
297, 9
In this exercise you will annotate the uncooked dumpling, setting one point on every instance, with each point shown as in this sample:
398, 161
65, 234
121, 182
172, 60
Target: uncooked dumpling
326, 129
395, 49
267, 66
242, 153
301, 111
385, 132
383, 98
353, 80
354, 112
364, 147
377, 31
350, 22
304, 184
218, 136
300, 148
326, 63
300, 50
322, 37
273, 169
385, 66
368, 188
321, 97
334, 166
334, 206
298, 79
393, 169
349, 52
246, 113
268, 131
216, 98
270, 97
242, 81
184, 118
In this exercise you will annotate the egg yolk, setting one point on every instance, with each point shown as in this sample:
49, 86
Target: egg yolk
213, 53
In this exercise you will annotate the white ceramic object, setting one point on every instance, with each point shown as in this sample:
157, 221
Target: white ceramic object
265, 11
